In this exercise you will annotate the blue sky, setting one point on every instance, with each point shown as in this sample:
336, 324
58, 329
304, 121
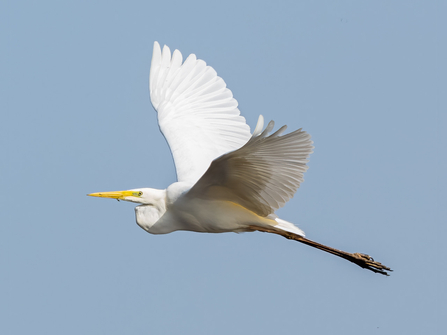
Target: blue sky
366, 79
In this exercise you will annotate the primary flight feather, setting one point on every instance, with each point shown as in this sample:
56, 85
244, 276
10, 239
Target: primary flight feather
229, 180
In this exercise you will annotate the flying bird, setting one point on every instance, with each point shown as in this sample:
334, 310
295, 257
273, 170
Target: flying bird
229, 180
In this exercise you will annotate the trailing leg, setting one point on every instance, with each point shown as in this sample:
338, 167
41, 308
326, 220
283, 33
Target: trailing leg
362, 260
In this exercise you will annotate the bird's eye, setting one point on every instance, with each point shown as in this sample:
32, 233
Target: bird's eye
140, 193
137, 194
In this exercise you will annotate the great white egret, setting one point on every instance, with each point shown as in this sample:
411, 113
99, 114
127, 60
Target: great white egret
228, 179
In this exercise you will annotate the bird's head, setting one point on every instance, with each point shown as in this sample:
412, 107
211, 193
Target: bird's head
153, 204
146, 196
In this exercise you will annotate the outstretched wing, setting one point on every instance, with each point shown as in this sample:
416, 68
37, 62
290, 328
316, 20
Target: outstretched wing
197, 114
262, 175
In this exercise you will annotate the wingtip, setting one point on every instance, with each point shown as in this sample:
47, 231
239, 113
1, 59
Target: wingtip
166, 52
156, 53
155, 62
259, 126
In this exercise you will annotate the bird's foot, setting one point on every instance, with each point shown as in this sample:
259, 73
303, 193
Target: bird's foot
367, 262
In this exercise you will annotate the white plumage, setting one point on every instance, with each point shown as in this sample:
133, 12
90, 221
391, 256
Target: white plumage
197, 114
228, 179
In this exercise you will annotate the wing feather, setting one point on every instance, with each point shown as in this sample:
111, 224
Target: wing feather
197, 113
262, 175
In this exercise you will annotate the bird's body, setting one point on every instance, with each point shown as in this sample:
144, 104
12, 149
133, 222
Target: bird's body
229, 180
200, 215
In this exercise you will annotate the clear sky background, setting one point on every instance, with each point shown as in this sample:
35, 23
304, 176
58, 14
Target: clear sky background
367, 79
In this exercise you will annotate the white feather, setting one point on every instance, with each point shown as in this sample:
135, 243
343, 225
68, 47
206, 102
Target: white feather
197, 114
262, 175
227, 180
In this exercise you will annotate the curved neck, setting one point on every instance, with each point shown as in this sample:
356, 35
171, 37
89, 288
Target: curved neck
147, 215
153, 208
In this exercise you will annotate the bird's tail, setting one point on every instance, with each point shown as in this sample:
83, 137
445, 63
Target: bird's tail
362, 260
289, 227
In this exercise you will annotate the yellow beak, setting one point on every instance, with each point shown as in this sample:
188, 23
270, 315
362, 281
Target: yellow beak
120, 195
